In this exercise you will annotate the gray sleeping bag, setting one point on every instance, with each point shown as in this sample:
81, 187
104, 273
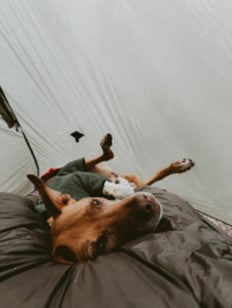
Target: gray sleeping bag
187, 262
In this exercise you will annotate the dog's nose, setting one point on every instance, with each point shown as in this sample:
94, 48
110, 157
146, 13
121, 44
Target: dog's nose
146, 202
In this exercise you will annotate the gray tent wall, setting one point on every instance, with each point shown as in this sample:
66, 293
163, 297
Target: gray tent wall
156, 74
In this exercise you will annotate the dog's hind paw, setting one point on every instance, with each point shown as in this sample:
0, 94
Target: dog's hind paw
106, 141
182, 165
106, 144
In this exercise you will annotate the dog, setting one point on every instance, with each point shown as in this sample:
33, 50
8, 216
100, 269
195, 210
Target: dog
85, 228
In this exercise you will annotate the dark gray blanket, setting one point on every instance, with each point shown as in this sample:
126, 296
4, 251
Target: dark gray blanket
186, 263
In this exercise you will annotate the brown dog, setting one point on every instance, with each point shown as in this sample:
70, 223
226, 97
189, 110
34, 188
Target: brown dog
90, 227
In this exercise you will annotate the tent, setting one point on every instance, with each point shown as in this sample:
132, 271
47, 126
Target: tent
156, 74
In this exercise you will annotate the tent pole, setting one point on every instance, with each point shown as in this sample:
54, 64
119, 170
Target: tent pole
10, 118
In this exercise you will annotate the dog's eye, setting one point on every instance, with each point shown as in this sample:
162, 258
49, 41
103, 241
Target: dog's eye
95, 202
65, 253
99, 246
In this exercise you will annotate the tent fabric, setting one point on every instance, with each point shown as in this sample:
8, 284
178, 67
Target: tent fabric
187, 260
155, 74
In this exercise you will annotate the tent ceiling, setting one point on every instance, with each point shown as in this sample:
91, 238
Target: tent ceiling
156, 74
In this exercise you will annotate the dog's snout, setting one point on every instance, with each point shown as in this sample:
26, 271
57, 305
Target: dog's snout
149, 208
145, 202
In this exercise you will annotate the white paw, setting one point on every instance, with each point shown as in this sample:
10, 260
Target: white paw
183, 165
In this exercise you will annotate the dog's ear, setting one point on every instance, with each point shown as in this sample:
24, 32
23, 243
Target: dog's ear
53, 200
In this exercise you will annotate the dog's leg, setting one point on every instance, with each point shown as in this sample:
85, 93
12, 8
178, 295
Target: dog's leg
134, 179
176, 167
106, 155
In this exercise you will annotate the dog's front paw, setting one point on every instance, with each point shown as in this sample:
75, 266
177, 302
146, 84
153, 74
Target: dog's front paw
182, 165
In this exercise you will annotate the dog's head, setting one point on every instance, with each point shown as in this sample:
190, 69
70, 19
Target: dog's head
85, 229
